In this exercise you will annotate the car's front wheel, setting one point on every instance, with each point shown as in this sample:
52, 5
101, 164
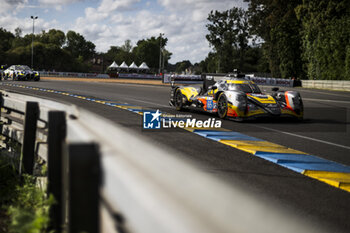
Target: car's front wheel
222, 106
178, 100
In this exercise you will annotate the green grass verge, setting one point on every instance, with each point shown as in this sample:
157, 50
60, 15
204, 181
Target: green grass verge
24, 207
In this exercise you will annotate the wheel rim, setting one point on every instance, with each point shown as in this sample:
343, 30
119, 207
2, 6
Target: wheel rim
178, 99
222, 106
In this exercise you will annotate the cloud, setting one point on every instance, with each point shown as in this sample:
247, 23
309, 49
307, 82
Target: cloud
11, 6
199, 9
182, 21
185, 39
110, 22
55, 2
108, 6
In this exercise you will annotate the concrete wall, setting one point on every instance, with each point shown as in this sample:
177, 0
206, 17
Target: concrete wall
327, 84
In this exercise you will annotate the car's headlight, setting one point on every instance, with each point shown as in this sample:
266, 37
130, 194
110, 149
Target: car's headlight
242, 102
252, 107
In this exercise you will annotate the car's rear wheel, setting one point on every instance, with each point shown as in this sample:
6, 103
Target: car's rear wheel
222, 106
178, 100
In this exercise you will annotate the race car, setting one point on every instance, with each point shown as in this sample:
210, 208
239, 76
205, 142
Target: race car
21, 73
235, 96
2, 68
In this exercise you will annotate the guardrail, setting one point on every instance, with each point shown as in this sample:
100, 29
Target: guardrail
72, 74
98, 75
327, 84
107, 179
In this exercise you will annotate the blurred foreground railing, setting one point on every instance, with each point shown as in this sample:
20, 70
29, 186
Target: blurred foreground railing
107, 179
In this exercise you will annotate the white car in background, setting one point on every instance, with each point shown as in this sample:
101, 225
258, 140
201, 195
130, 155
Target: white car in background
20, 73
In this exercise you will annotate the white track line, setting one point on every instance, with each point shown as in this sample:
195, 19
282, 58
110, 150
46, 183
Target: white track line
332, 101
305, 137
325, 93
148, 102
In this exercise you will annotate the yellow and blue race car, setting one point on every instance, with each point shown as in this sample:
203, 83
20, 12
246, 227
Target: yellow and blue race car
236, 97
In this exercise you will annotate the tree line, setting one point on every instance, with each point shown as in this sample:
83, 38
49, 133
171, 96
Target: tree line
55, 50
307, 39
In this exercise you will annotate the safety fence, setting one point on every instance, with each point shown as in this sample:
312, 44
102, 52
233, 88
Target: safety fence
107, 179
98, 75
72, 74
186, 79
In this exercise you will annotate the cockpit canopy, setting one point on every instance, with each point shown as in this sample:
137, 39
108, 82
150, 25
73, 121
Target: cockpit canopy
245, 86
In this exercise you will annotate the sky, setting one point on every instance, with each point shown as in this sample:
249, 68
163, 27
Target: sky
110, 22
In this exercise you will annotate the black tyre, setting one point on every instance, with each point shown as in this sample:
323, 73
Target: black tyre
178, 100
222, 106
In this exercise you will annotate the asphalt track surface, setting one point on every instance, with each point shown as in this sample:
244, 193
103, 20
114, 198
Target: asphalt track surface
325, 133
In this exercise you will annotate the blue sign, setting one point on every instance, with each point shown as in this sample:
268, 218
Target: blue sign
151, 119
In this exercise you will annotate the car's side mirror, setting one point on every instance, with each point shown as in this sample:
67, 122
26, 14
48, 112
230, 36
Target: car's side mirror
212, 88
275, 89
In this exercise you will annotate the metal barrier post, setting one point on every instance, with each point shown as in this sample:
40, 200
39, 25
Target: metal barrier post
84, 182
1, 102
56, 139
29, 136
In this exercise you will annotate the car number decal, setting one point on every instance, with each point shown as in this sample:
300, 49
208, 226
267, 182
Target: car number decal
210, 105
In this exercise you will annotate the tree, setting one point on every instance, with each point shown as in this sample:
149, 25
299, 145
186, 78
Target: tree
254, 60
326, 38
112, 54
147, 50
228, 31
18, 32
6, 39
78, 46
208, 65
127, 47
183, 66
120, 54
53, 36
276, 23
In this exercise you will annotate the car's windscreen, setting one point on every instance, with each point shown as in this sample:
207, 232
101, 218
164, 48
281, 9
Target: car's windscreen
246, 88
23, 68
